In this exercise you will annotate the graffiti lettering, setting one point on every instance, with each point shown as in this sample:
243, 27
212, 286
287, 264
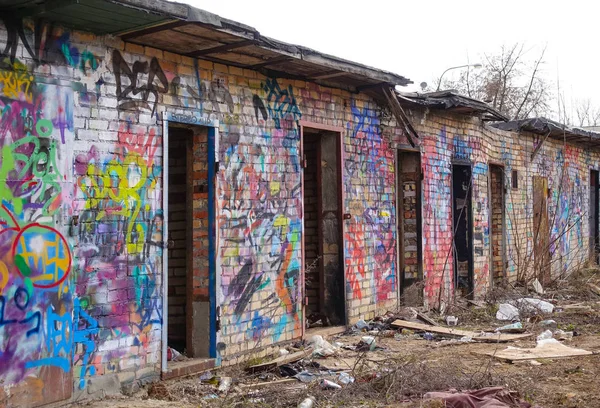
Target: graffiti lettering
135, 85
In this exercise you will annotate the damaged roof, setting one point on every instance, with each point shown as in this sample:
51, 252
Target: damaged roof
554, 130
452, 101
183, 29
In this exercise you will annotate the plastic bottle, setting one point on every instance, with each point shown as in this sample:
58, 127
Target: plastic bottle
325, 384
224, 384
308, 402
345, 378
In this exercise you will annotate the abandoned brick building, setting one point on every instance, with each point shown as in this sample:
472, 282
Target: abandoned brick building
172, 178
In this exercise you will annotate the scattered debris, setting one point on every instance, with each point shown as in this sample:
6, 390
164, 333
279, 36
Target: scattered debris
444, 331
426, 319
532, 304
308, 402
512, 328
174, 355
546, 348
548, 323
345, 378
451, 320
537, 287
545, 335
326, 384
490, 397
291, 358
224, 384
507, 311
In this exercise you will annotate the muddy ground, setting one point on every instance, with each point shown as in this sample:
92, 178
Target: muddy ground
406, 367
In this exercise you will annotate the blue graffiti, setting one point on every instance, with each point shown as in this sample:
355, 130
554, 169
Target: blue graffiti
281, 103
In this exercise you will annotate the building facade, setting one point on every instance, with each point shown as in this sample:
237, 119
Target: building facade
157, 198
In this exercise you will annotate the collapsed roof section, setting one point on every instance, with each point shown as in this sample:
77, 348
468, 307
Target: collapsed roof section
554, 130
451, 101
183, 29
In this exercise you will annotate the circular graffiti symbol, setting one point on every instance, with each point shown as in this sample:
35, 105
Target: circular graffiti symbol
21, 298
42, 254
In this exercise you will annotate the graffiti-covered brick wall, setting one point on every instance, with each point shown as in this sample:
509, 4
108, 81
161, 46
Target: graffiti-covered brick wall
81, 220
448, 138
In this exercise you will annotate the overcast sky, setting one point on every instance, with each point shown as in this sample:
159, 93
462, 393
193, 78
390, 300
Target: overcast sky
419, 39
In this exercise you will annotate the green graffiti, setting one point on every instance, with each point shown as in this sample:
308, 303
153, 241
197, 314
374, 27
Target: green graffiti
22, 266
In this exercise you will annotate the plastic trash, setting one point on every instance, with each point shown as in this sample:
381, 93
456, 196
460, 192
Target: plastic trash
361, 324
326, 384
466, 339
428, 336
308, 402
305, 376
322, 347
536, 304
368, 339
548, 323
537, 286
345, 378
563, 335
545, 335
224, 384
283, 352
507, 312
509, 327
452, 320
210, 396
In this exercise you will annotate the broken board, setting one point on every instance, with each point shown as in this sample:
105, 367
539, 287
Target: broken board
495, 338
544, 350
290, 358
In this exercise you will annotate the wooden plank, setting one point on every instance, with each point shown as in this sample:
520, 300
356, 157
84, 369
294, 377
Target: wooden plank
433, 329
495, 338
426, 319
267, 383
545, 350
290, 358
501, 337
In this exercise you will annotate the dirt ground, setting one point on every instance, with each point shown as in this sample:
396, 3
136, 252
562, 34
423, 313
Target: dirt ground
406, 367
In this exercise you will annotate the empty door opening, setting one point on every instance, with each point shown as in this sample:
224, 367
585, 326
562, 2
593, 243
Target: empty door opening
541, 230
497, 233
323, 245
463, 229
188, 329
409, 226
594, 215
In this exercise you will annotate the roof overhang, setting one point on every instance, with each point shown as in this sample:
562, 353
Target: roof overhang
453, 102
182, 29
553, 130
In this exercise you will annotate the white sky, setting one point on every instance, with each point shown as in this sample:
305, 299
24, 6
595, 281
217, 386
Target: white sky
419, 39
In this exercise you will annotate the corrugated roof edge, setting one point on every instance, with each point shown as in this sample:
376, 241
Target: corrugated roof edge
191, 14
543, 126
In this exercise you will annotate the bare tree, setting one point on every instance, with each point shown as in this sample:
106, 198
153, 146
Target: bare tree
586, 113
509, 81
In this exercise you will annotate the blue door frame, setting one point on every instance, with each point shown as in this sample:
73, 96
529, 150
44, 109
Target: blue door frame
213, 161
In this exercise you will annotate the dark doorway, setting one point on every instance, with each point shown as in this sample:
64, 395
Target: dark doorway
497, 233
188, 328
409, 227
463, 229
323, 245
541, 229
594, 215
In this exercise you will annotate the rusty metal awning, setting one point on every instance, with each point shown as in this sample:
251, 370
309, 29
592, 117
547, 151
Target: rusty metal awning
185, 30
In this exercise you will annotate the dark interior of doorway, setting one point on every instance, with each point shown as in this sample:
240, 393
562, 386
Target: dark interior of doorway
463, 229
594, 217
497, 233
409, 227
323, 266
188, 271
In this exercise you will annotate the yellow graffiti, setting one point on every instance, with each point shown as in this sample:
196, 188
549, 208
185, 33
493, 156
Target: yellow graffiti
16, 83
122, 186
3, 276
